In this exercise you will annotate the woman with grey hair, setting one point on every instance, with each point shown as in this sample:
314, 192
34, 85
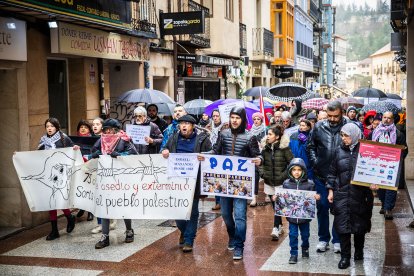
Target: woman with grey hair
352, 204
154, 139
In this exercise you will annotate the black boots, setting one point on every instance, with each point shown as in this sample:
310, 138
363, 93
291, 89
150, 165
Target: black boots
90, 216
103, 242
71, 223
55, 232
344, 263
358, 255
80, 213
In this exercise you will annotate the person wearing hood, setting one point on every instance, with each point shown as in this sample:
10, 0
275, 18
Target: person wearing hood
324, 139
351, 113
114, 142
179, 111
154, 139
298, 180
352, 204
367, 124
152, 111
236, 141
276, 157
297, 144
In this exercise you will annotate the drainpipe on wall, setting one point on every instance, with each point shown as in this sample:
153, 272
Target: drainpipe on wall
101, 88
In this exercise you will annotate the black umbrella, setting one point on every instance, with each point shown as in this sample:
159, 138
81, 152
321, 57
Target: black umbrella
381, 107
393, 96
287, 91
369, 92
145, 96
255, 91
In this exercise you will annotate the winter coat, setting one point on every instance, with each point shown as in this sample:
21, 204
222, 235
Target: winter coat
352, 204
161, 123
298, 149
303, 184
321, 146
202, 144
276, 159
169, 131
155, 134
64, 142
367, 131
123, 148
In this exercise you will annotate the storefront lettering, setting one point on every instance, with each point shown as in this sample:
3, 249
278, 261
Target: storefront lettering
105, 44
5, 38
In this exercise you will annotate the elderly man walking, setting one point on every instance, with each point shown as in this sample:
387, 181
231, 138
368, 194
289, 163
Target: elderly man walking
387, 132
325, 138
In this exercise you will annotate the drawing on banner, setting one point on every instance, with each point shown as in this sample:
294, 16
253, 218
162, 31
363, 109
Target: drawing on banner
56, 174
295, 203
142, 170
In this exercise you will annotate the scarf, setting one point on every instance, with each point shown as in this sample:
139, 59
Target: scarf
383, 133
303, 136
49, 142
353, 131
110, 141
84, 135
214, 132
257, 130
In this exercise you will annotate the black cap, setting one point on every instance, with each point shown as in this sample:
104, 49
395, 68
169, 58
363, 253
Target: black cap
187, 118
111, 123
311, 116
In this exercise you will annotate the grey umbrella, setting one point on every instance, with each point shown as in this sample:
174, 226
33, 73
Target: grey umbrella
255, 91
145, 96
393, 96
197, 106
381, 107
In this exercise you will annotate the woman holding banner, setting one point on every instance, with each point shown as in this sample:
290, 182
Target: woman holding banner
116, 143
54, 139
352, 204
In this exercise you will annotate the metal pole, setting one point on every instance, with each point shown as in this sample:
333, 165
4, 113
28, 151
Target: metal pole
175, 69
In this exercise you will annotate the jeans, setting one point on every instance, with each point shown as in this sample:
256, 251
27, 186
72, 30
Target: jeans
388, 198
233, 211
99, 220
359, 240
294, 235
322, 207
189, 227
105, 225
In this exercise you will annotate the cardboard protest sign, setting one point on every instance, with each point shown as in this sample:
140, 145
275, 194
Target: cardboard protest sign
295, 203
138, 133
378, 163
183, 165
45, 176
225, 109
228, 176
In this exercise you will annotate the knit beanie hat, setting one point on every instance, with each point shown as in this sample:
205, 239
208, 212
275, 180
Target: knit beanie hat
258, 114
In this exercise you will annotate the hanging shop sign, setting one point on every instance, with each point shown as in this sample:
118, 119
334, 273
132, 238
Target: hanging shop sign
284, 73
186, 57
13, 39
113, 13
182, 23
82, 41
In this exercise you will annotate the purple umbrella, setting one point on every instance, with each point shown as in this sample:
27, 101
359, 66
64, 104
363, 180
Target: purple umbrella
250, 108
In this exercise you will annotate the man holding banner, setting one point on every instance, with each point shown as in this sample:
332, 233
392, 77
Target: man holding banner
238, 142
187, 140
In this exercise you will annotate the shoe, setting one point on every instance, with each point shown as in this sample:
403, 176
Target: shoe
358, 255
344, 263
173, 223
305, 252
337, 247
129, 236
322, 247
187, 248
254, 202
275, 234
216, 208
97, 229
388, 215
55, 232
293, 259
382, 211
80, 213
181, 240
103, 242
230, 246
238, 254
90, 216
71, 223
112, 225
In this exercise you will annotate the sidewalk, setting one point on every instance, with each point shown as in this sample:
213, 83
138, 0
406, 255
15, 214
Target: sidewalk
389, 249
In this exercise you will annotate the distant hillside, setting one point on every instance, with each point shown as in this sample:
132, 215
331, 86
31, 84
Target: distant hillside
366, 29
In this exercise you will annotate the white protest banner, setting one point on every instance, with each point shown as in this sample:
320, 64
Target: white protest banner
45, 176
295, 203
228, 176
83, 193
137, 187
138, 133
225, 109
183, 165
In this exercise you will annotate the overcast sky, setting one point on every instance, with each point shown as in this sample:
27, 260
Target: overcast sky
371, 3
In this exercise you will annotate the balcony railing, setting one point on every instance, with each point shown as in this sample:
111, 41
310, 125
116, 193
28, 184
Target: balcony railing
262, 42
243, 39
316, 62
314, 11
144, 18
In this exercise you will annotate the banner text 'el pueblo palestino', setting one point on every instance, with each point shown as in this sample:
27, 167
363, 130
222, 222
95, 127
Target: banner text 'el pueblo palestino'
135, 187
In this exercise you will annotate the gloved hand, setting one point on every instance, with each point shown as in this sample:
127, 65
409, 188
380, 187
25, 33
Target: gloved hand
115, 154
95, 155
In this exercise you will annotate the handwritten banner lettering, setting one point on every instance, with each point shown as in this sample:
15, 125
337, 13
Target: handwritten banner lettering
138, 133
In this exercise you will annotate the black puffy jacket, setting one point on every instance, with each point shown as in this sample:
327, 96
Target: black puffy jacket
298, 184
352, 204
322, 145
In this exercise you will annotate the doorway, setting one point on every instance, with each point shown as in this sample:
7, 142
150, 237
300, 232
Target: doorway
58, 91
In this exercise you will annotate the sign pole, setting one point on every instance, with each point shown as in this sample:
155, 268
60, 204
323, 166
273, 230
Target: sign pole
175, 69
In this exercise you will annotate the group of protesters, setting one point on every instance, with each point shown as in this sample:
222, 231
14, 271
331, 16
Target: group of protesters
300, 149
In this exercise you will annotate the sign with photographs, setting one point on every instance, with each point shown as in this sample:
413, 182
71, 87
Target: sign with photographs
228, 176
295, 203
378, 163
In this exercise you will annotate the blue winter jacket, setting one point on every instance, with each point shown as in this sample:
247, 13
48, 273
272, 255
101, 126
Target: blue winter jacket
298, 149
